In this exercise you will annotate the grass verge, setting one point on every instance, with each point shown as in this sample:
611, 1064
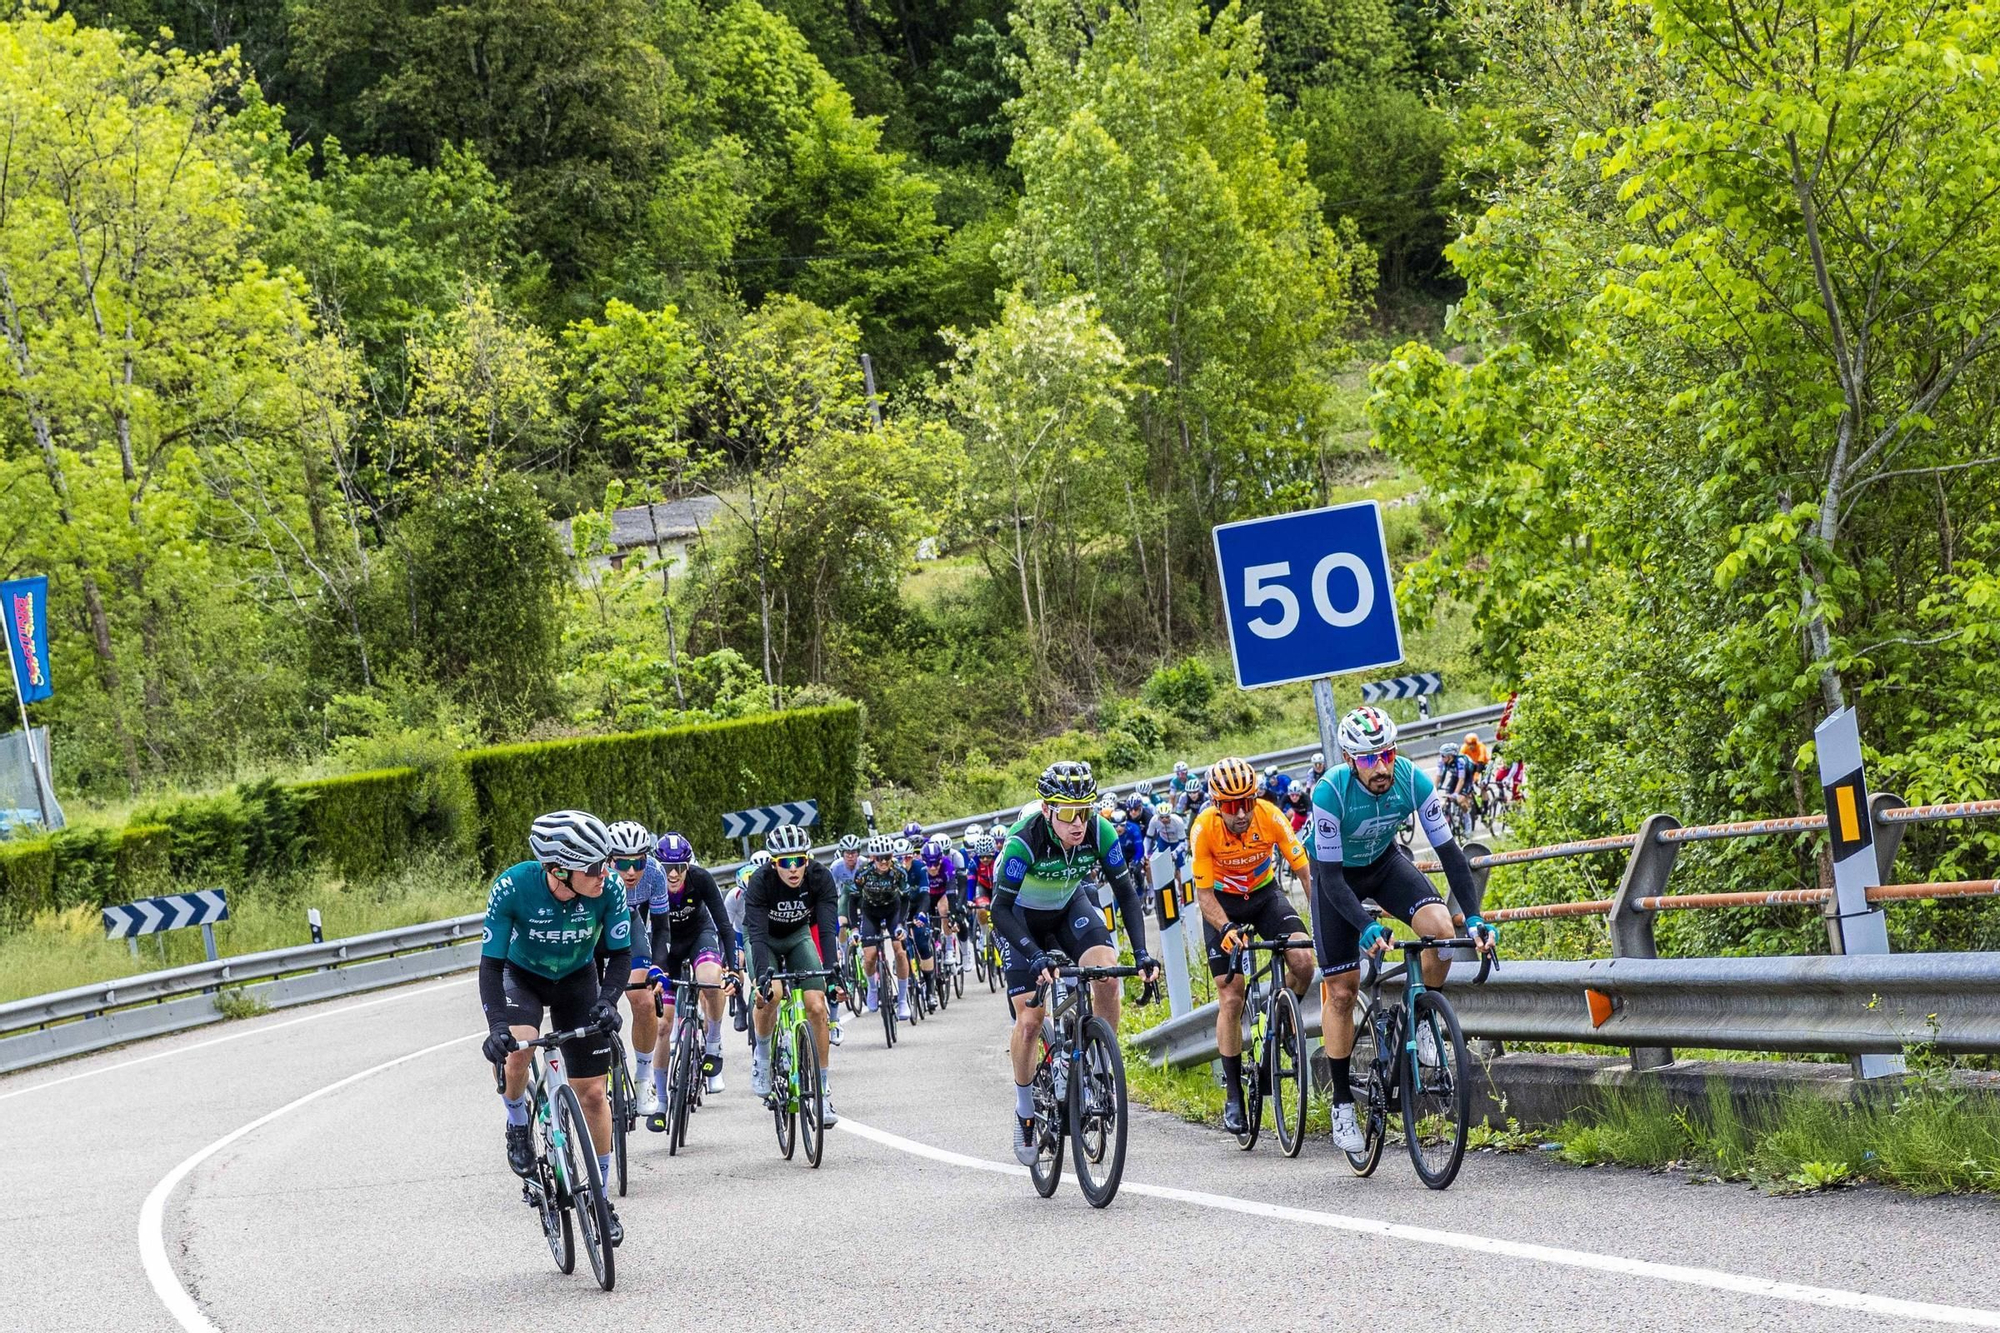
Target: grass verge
54, 951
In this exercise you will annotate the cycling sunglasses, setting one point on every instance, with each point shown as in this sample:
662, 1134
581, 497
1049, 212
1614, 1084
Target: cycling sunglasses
1067, 812
798, 862
629, 862
1386, 757
595, 870
1235, 805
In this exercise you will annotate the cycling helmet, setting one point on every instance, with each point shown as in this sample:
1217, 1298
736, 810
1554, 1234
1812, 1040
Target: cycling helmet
572, 839
1031, 809
1232, 779
787, 840
932, 853
850, 843
999, 832
974, 834
674, 850
760, 858
983, 846
1448, 750
1367, 730
1067, 780
629, 838
914, 832
1180, 769
1270, 770
902, 846
1472, 738
1319, 759
743, 874
881, 845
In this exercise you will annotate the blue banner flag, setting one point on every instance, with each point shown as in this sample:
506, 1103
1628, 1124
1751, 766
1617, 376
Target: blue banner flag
24, 603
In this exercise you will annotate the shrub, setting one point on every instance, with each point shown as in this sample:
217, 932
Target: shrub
27, 877
209, 834
1186, 690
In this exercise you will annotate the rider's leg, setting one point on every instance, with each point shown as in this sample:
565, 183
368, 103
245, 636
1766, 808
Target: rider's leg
1105, 995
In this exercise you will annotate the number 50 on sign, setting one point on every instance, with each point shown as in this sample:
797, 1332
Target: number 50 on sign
1308, 594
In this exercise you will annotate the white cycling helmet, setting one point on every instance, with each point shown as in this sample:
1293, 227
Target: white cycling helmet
902, 846
882, 845
787, 840
630, 838
572, 839
760, 857
850, 843
1367, 730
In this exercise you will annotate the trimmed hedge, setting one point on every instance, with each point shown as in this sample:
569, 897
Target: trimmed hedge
84, 865
681, 778
363, 825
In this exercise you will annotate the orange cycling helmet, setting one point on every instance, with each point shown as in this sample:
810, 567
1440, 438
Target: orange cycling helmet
1232, 779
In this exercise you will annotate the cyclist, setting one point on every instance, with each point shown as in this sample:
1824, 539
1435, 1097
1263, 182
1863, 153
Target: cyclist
847, 862
645, 894
1357, 809
1237, 845
979, 885
1475, 750
1168, 832
544, 919
943, 874
1318, 771
916, 899
1179, 788
687, 931
1039, 903
785, 901
880, 900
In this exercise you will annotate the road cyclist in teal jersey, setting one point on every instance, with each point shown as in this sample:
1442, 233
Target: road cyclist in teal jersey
544, 920
1040, 905
1356, 810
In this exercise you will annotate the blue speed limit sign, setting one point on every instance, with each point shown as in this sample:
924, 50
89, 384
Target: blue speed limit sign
1308, 594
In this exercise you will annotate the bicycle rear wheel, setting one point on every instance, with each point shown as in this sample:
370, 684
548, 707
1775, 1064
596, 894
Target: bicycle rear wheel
992, 966
1049, 1127
812, 1125
784, 1108
1437, 1096
1373, 1033
593, 1210
1097, 1112
958, 974
1289, 1084
943, 981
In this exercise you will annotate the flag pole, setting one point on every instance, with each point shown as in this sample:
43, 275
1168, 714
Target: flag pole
27, 734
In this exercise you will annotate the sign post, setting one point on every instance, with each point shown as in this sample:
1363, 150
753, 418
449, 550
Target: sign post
156, 916
744, 825
1853, 927
1164, 880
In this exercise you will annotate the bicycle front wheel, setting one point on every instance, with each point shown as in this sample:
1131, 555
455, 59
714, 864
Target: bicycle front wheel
1370, 1074
593, 1210
1097, 1112
624, 1107
784, 1106
1437, 1093
680, 1087
1289, 1084
1047, 1169
812, 1105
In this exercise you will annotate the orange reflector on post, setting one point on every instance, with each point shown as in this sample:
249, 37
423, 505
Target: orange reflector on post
1601, 1006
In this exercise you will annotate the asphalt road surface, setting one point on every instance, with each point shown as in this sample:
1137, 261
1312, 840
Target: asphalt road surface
341, 1168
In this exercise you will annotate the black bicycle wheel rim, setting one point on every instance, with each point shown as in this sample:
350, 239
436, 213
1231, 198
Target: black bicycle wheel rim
1437, 1099
1047, 1169
992, 970
1290, 1087
957, 981
1097, 1105
679, 1090
812, 1125
593, 1209
785, 1111
555, 1219
1370, 1115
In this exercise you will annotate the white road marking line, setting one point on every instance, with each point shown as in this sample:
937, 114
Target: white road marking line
152, 1214
316, 1015
1832, 1297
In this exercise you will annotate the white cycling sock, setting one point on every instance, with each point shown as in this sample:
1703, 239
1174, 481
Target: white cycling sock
712, 1037
644, 1067
1024, 1100
517, 1109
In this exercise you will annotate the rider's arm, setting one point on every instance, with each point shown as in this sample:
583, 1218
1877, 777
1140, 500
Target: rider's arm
498, 931
661, 937
1008, 875
1202, 873
710, 896
1457, 870
757, 920
617, 942
1332, 894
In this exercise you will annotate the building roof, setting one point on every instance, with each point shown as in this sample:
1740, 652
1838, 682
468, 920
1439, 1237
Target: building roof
669, 520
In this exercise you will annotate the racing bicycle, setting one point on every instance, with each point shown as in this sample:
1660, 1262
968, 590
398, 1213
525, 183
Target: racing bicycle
623, 1092
1276, 1064
564, 1178
798, 1098
1079, 1087
688, 1057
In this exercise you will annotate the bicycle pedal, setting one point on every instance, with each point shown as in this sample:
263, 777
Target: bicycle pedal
657, 1122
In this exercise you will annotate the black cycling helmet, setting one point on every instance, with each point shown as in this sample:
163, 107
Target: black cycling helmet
1067, 780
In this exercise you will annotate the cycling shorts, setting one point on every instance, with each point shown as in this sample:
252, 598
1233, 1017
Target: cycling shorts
875, 922
702, 947
797, 953
1267, 911
1072, 928
1397, 887
568, 1000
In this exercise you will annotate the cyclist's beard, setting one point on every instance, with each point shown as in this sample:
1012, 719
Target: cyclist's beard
1379, 782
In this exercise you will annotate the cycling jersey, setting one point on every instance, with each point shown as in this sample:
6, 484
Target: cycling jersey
776, 916
684, 916
1353, 826
1039, 874
1228, 863
880, 888
527, 927
942, 877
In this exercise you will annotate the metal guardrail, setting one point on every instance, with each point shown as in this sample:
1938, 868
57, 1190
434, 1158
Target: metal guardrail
88, 1018
1844, 1005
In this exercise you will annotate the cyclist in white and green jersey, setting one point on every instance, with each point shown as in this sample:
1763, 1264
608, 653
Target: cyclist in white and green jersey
1356, 810
1039, 904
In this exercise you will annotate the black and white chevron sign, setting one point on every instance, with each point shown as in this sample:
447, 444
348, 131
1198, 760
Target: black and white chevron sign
751, 823
1402, 687
149, 916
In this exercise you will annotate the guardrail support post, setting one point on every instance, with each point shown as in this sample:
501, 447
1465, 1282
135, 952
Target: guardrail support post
1173, 955
1888, 837
1485, 1048
1646, 873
